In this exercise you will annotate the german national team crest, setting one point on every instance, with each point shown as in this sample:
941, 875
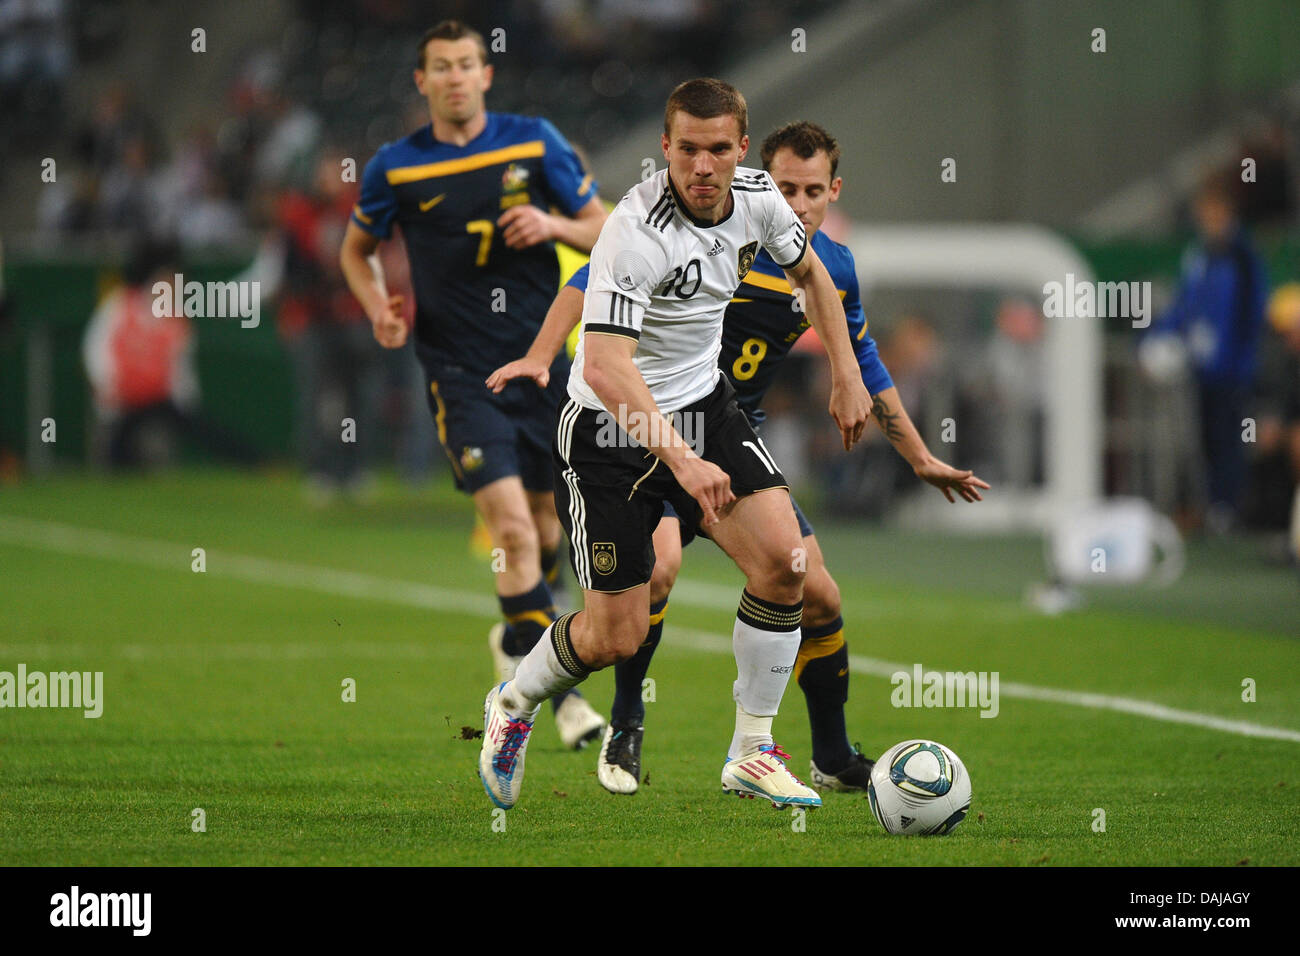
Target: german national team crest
603, 557
746, 260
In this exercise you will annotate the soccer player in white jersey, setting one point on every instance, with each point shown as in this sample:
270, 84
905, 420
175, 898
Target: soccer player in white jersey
663, 271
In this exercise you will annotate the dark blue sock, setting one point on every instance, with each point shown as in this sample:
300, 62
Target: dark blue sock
550, 566
628, 707
527, 615
822, 672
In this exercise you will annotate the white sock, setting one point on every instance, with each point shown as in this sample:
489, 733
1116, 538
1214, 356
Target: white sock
751, 733
765, 641
541, 674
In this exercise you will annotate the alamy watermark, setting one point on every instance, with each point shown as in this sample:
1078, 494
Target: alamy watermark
1084, 299
922, 688
75, 908
75, 689
209, 300
644, 430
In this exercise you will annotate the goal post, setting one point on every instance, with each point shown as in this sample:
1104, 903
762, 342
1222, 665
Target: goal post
1019, 258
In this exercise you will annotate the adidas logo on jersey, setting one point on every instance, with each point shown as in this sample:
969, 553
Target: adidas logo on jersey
717, 248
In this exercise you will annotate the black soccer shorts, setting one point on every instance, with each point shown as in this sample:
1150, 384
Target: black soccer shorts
610, 492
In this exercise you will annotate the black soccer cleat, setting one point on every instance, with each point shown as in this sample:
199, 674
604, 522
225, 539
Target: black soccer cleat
852, 778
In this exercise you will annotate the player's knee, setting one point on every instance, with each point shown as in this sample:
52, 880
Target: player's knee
821, 597
790, 578
515, 534
547, 526
616, 647
628, 642
664, 577
550, 537
778, 577
617, 639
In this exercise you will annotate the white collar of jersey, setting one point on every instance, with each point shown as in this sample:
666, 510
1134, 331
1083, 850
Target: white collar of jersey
686, 213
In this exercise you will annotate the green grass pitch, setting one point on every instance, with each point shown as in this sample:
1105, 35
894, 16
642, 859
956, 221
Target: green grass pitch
223, 691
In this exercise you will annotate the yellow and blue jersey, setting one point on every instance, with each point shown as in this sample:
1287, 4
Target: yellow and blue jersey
761, 325
476, 300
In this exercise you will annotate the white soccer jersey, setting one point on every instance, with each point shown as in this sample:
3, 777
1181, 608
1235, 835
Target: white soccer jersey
661, 277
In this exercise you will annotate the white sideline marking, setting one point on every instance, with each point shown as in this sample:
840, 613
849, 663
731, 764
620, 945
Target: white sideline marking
88, 542
706, 641
248, 651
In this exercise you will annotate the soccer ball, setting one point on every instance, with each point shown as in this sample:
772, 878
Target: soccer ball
919, 787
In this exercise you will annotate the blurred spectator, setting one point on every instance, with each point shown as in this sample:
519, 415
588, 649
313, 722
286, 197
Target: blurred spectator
868, 481
184, 177
115, 120
113, 181
911, 352
1270, 199
1010, 394
293, 133
1218, 309
210, 218
128, 192
194, 196
35, 55
141, 369
337, 365
1276, 468
68, 205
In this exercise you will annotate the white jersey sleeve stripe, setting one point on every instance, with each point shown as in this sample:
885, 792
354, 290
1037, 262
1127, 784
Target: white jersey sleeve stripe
623, 316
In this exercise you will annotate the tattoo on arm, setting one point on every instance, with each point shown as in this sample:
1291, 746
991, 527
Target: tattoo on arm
888, 420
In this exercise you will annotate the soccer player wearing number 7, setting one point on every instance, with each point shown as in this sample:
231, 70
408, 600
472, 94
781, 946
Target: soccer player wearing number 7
663, 271
473, 193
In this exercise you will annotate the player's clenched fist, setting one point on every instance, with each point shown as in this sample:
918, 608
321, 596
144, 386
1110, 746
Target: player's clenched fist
851, 408
706, 483
389, 326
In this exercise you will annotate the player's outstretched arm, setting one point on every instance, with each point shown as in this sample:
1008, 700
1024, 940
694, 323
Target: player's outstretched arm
365, 277
850, 404
564, 314
614, 377
897, 426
